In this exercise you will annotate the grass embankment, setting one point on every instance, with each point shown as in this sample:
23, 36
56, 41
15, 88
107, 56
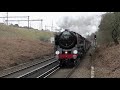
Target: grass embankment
15, 32
19, 45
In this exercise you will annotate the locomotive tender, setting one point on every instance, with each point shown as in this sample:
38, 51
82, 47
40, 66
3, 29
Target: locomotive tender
70, 46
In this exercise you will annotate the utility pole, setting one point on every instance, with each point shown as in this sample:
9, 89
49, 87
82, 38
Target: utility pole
7, 18
95, 43
41, 24
28, 22
7, 21
52, 26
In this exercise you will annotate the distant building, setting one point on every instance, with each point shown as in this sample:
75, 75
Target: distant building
52, 39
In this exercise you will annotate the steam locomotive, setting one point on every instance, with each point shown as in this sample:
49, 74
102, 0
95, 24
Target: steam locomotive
70, 47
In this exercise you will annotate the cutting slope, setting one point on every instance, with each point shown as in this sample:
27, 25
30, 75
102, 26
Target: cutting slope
107, 61
19, 45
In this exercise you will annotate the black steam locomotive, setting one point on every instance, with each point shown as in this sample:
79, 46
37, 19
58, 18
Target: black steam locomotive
69, 47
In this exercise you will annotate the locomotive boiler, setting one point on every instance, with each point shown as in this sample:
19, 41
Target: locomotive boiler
70, 47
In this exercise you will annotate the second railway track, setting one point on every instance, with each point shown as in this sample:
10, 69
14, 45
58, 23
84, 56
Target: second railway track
39, 70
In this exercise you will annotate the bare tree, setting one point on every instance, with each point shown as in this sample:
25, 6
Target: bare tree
115, 28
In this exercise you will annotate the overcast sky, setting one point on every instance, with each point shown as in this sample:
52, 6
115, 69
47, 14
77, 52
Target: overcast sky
49, 17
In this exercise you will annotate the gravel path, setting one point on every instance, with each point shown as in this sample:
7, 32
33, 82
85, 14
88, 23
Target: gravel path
84, 69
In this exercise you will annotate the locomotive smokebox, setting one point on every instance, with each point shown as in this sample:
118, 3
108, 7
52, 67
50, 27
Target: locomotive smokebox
67, 39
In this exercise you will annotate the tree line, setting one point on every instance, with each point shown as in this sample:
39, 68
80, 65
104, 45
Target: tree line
109, 29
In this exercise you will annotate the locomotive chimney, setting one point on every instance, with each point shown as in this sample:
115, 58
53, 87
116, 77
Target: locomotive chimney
66, 29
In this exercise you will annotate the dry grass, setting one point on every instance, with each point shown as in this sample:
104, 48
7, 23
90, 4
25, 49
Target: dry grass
15, 32
18, 45
107, 60
15, 51
108, 56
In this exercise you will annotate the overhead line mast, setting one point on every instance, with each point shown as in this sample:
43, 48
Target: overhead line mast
7, 18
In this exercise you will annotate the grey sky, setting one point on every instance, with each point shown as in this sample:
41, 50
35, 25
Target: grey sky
48, 17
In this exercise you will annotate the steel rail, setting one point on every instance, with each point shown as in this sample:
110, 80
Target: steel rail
49, 72
18, 70
29, 73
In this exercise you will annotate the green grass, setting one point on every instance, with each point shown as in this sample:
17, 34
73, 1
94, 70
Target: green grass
12, 32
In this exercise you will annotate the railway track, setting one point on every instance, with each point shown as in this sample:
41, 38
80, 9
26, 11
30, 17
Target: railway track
44, 69
38, 70
48, 68
64, 72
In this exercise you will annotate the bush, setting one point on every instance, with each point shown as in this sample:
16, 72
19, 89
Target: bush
44, 38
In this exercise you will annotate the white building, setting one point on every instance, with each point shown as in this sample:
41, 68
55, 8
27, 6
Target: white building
52, 39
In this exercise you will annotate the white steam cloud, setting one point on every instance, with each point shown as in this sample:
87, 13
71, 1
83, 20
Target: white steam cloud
82, 25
